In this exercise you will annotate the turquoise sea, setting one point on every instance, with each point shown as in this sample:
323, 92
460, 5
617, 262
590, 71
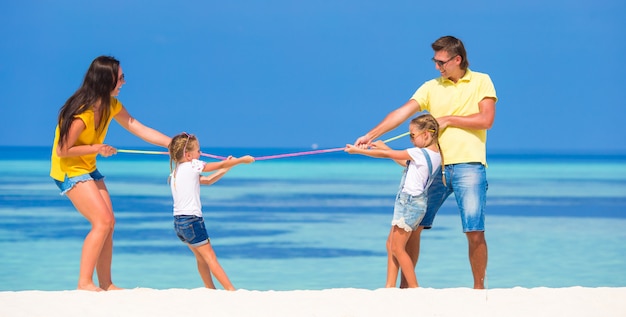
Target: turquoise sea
317, 222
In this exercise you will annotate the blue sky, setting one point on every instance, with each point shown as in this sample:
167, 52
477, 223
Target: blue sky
289, 73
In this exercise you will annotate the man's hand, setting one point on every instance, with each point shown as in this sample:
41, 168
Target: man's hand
363, 142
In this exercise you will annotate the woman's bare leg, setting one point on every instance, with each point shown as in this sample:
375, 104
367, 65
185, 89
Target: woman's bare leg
89, 202
103, 268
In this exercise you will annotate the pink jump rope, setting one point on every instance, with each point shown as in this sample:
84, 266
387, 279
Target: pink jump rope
267, 157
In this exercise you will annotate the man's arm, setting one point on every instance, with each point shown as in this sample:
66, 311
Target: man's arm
483, 120
391, 121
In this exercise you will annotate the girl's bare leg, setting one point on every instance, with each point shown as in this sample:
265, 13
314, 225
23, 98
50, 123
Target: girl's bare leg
88, 200
392, 264
203, 269
208, 255
399, 238
413, 249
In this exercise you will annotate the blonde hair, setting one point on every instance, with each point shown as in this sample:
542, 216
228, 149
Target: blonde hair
429, 123
180, 144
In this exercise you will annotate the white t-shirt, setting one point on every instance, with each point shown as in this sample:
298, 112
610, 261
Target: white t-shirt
417, 175
185, 185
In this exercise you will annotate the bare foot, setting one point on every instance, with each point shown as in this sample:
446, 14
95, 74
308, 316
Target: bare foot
89, 287
112, 287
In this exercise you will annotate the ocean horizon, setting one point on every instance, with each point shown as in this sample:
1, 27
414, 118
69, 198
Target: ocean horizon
319, 221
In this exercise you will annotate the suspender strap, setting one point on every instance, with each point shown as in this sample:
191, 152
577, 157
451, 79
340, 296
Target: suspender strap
430, 164
431, 174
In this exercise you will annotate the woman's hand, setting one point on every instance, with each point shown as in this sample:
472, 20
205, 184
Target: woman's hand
106, 150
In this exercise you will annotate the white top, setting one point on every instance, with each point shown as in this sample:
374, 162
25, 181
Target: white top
417, 175
185, 185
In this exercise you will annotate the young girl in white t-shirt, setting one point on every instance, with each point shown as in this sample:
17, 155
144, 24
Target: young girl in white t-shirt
185, 180
421, 162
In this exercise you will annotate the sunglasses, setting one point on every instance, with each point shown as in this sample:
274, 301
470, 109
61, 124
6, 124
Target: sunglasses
186, 142
441, 63
413, 136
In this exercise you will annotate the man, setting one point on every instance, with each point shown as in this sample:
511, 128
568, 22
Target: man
464, 104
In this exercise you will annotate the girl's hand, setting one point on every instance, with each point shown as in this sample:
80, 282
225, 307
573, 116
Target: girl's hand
106, 150
352, 149
247, 159
380, 145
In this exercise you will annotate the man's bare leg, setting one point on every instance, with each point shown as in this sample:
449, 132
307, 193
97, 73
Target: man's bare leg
477, 246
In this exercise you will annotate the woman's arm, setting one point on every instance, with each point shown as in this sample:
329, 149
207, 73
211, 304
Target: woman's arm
145, 133
69, 149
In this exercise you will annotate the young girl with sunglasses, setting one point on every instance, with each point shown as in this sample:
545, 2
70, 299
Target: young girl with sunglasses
421, 163
185, 180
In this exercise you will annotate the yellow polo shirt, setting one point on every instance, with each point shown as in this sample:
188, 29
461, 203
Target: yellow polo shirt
78, 165
443, 97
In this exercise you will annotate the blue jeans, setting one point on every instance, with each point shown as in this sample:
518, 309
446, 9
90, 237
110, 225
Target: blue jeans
408, 211
468, 182
190, 229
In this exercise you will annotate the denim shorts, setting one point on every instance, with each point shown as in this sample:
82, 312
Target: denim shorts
68, 183
468, 182
191, 230
408, 211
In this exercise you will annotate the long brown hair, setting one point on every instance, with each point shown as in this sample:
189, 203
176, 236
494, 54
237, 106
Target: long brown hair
99, 82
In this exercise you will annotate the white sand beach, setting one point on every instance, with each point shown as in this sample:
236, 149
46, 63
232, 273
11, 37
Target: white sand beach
571, 301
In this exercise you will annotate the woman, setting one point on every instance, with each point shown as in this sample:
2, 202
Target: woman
81, 129
410, 206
